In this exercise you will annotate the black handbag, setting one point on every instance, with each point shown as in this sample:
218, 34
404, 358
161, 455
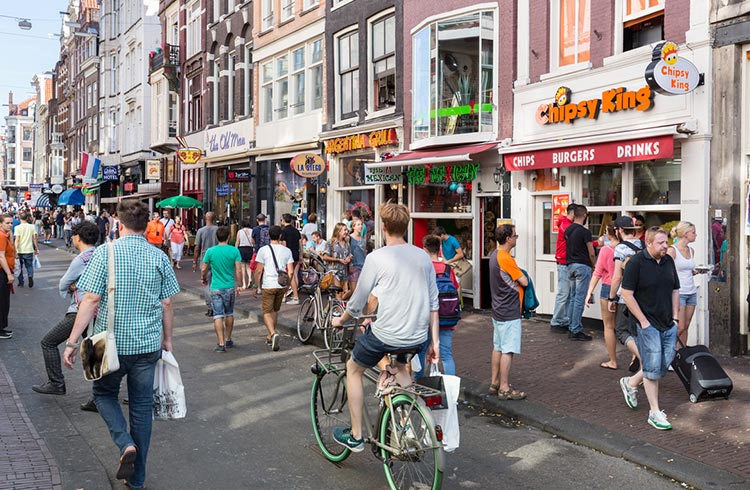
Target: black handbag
283, 278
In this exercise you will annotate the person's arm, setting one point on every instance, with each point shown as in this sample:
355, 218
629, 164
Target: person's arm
258, 276
614, 286
75, 269
671, 252
676, 305
167, 324
204, 273
592, 254
6, 268
86, 310
196, 254
238, 276
522, 280
635, 310
36, 243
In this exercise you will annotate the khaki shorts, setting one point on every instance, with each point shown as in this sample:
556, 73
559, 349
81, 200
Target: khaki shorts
271, 299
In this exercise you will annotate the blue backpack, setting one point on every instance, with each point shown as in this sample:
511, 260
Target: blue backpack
449, 310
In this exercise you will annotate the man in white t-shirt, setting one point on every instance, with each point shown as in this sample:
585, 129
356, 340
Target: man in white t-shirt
402, 278
270, 258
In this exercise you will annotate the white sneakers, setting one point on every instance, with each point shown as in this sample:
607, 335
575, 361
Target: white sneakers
658, 420
630, 393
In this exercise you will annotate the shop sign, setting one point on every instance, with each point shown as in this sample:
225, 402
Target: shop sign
375, 139
111, 172
669, 74
189, 155
383, 175
129, 186
153, 169
446, 174
564, 110
224, 190
57, 189
308, 165
560, 203
238, 176
36, 187
595, 154
231, 139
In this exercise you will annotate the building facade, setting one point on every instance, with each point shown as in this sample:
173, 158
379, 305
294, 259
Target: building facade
19, 125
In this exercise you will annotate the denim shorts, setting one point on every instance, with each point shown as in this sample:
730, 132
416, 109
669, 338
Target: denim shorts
656, 349
369, 350
222, 302
604, 293
507, 336
689, 299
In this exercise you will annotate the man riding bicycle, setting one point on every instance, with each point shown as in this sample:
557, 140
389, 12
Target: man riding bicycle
402, 278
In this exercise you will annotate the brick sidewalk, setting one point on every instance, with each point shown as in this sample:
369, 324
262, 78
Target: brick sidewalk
25, 461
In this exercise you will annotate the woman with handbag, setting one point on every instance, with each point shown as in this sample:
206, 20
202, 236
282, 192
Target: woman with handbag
339, 255
176, 237
244, 244
358, 246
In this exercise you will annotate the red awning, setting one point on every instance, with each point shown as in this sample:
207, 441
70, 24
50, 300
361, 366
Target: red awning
633, 150
424, 157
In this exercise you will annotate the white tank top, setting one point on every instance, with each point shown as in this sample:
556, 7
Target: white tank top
685, 272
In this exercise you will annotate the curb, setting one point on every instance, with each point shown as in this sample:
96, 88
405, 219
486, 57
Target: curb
665, 462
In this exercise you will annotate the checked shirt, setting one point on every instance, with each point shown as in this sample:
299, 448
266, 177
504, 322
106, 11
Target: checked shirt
143, 277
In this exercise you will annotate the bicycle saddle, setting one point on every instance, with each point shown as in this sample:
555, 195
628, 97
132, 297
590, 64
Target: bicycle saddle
335, 289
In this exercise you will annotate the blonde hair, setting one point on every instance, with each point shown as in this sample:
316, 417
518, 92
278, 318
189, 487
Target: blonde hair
395, 218
653, 231
681, 228
336, 231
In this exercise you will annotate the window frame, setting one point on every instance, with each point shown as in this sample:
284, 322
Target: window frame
341, 116
266, 15
286, 10
231, 65
247, 83
621, 19
373, 111
193, 31
295, 75
555, 41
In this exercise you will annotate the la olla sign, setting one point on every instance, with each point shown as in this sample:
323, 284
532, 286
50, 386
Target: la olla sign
669, 74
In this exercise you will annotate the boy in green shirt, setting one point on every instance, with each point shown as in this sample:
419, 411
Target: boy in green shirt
225, 264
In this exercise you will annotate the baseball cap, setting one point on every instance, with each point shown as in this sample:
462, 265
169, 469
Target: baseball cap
261, 217
625, 222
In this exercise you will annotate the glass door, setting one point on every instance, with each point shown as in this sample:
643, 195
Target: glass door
545, 274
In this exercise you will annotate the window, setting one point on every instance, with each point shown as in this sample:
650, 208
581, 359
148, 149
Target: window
112, 136
298, 80
89, 96
113, 64
215, 94
230, 88
316, 73
348, 75
383, 61
282, 86
307, 4
27, 154
230, 6
267, 80
602, 185
26, 133
246, 92
453, 77
173, 34
575, 35
266, 14
194, 105
287, 9
172, 114
643, 23
193, 28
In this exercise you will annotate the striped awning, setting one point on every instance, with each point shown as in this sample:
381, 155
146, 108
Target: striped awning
43, 201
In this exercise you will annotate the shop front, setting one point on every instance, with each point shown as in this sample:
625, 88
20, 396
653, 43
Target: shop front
614, 141
358, 184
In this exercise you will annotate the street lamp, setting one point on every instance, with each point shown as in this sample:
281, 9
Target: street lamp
23, 24
497, 175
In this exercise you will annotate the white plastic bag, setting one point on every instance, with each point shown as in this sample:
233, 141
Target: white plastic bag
448, 419
169, 393
37, 264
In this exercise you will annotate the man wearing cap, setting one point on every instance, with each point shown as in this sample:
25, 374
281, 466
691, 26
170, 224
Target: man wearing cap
561, 315
625, 326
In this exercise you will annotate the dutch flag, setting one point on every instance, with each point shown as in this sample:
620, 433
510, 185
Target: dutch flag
90, 166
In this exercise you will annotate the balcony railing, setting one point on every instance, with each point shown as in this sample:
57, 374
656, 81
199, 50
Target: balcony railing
168, 57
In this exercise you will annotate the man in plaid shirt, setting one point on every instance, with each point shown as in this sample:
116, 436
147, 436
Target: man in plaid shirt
144, 284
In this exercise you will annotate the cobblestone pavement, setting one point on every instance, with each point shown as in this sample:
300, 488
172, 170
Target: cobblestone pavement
25, 461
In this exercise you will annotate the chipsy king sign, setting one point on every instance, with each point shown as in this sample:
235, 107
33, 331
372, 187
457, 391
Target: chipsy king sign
669, 74
564, 110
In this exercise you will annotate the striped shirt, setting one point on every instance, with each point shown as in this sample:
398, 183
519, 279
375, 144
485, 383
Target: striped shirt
143, 277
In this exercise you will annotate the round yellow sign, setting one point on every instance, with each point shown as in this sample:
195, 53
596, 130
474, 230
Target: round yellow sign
308, 165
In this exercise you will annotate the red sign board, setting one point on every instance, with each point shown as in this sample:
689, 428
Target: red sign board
560, 203
596, 154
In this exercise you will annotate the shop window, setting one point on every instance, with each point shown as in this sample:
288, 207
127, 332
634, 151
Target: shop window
643, 23
443, 198
574, 31
547, 179
602, 185
657, 182
348, 75
353, 170
453, 77
383, 63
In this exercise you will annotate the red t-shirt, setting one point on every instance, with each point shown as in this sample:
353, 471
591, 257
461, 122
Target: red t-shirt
563, 223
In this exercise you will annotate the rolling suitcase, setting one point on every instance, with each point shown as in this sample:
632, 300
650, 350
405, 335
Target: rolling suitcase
701, 373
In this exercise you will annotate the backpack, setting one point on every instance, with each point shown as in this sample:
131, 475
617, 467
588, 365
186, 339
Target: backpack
449, 310
265, 238
632, 247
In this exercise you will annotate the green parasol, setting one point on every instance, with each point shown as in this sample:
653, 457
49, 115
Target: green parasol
175, 202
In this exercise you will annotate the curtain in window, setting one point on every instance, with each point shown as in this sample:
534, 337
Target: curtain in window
634, 7
575, 26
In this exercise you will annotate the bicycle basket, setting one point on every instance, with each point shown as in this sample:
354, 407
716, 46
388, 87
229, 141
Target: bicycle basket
327, 281
310, 276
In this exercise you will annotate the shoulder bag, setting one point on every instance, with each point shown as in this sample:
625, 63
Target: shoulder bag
99, 352
283, 278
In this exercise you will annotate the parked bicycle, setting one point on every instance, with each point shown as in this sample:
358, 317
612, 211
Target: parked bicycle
403, 436
315, 315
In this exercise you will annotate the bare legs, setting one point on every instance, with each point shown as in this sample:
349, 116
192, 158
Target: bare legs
610, 339
686, 316
501, 369
223, 328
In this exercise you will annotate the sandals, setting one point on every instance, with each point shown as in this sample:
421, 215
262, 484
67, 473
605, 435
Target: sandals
511, 394
493, 389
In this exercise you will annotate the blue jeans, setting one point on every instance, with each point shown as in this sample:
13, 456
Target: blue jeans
656, 349
561, 315
26, 261
446, 353
579, 275
139, 369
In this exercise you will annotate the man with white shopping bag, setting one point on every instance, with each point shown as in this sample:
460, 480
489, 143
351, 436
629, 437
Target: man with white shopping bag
143, 321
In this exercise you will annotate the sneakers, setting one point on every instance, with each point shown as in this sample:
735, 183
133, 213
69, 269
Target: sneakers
229, 343
275, 342
579, 336
630, 394
558, 329
5, 334
49, 389
293, 301
344, 437
220, 348
288, 293
89, 406
658, 420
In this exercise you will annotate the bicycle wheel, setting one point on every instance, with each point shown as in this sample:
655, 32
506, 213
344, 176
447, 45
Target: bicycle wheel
328, 410
418, 461
306, 319
333, 337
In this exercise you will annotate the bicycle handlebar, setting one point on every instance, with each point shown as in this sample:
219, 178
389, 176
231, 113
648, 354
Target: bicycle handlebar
355, 322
